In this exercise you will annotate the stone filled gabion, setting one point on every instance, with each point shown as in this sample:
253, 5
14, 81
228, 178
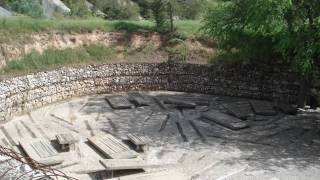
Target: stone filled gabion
21, 94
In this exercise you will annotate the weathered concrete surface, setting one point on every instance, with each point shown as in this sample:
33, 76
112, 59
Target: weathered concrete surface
279, 147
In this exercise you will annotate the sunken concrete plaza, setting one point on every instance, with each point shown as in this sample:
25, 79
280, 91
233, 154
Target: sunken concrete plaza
192, 136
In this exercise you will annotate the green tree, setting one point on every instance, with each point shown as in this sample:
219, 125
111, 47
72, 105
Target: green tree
188, 9
118, 9
267, 30
162, 12
31, 7
78, 8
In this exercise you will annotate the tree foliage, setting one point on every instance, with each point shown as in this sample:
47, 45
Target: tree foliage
118, 9
189, 9
31, 7
78, 8
268, 29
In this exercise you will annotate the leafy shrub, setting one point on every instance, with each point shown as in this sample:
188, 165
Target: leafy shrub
30, 7
131, 26
52, 58
189, 9
179, 53
99, 52
160, 15
78, 8
118, 9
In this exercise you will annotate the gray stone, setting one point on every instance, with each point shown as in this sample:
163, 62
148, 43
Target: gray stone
53, 7
20, 94
225, 120
118, 102
264, 108
179, 103
138, 100
240, 110
4, 12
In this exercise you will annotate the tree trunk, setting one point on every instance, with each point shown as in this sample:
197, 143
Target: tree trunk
171, 17
303, 91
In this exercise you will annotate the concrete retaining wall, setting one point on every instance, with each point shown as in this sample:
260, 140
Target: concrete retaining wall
21, 94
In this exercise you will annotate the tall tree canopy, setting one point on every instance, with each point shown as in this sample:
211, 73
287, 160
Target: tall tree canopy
268, 29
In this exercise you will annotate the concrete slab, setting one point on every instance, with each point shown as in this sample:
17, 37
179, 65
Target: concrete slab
263, 108
118, 102
241, 110
225, 120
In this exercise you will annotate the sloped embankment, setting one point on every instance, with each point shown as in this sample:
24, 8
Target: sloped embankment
120, 41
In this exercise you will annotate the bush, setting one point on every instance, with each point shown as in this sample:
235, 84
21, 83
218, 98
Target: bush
189, 9
132, 26
30, 7
118, 9
179, 53
52, 58
78, 8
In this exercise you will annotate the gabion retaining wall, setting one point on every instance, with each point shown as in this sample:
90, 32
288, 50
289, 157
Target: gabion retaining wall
21, 94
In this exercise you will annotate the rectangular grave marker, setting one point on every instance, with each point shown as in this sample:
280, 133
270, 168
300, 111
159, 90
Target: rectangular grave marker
225, 120
263, 108
241, 110
118, 102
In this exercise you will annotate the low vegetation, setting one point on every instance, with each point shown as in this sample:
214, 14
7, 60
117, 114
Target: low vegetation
53, 58
22, 26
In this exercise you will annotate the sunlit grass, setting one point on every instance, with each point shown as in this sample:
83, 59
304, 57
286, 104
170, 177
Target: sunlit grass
11, 28
53, 58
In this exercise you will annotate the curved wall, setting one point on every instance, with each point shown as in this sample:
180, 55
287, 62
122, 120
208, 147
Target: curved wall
21, 94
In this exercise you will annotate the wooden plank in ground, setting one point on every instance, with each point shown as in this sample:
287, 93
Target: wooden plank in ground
196, 129
112, 147
241, 109
225, 120
34, 132
139, 140
160, 103
183, 136
42, 151
19, 131
162, 175
66, 126
263, 108
199, 100
6, 144
89, 127
180, 103
126, 164
8, 136
118, 102
138, 100
164, 122
66, 138
42, 132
